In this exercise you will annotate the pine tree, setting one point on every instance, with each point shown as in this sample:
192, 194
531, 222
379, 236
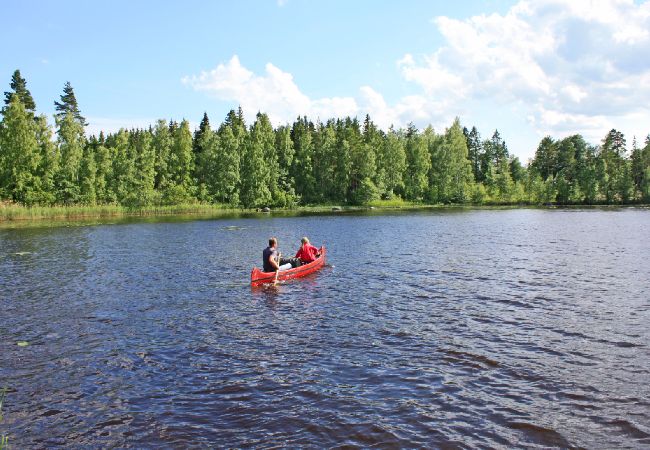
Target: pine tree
19, 89
204, 128
68, 105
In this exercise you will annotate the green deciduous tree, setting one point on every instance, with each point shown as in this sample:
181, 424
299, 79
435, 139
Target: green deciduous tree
19, 154
255, 172
451, 171
418, 163
227, 179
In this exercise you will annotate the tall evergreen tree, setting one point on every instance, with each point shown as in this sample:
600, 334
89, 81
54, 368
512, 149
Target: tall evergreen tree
69, 106
203, 149
615, 175
474, 152
19, 89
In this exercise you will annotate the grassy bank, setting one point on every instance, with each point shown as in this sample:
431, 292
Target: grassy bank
15, 212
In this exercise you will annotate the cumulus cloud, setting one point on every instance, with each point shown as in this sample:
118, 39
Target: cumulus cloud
576, 66
563, 67
276, 93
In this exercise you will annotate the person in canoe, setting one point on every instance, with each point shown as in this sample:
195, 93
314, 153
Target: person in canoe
271, 260
307, 252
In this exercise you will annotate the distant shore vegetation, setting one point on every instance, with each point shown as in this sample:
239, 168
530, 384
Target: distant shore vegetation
343, 161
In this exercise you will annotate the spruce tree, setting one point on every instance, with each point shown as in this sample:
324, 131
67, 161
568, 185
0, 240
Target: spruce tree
19, 89
474, 152
68, 105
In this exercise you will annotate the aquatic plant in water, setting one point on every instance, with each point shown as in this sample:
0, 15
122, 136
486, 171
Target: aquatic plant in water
4, 440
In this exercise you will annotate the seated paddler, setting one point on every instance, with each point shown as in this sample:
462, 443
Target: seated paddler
307, 252
272, 260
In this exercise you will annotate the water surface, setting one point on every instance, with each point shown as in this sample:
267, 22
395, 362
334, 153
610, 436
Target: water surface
482, 328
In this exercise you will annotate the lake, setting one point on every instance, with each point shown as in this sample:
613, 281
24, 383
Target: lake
445, 328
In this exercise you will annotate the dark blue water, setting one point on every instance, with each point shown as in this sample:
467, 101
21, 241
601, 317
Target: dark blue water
486, 328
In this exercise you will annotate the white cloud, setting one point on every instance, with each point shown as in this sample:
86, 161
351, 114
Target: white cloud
560, 67
576, 66
274, 93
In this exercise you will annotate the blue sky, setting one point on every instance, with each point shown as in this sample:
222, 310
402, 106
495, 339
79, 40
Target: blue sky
528, 69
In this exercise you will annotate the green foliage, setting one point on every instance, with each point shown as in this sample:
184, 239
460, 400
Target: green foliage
257, 163
227, 176
4, 440
418, 163
19, 154
69, 106
19, 89
451, 171
365, 193
341, 161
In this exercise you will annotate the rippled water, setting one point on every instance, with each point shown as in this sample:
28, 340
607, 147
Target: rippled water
486, 328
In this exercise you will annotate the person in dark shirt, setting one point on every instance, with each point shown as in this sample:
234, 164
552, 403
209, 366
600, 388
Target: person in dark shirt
271, 260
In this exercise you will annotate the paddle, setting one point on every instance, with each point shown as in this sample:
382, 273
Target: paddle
277, 272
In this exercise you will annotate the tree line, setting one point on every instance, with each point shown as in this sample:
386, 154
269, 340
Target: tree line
342, 161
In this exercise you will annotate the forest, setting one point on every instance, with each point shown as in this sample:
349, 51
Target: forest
340, 161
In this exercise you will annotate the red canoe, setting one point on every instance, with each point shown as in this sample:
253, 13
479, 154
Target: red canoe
258, 277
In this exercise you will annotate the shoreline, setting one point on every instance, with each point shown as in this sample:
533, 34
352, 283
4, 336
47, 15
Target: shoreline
18, 216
